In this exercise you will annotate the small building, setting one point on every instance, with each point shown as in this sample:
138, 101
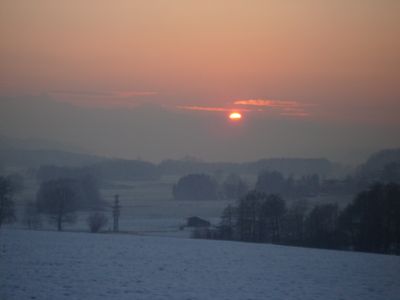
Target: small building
197, 222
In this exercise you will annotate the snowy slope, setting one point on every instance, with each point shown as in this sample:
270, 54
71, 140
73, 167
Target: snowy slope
51, 265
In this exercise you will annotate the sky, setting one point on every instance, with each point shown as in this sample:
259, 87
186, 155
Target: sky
157, 79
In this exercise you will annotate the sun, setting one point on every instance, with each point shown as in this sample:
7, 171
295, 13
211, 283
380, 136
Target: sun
235, 116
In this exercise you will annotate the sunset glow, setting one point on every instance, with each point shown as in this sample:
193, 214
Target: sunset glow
235, 116
163, 74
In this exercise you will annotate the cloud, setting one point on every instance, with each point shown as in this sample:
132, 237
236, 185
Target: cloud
107, 99
125, 94
201, 108
208, 108
281, 107
105, 93
267, 103
132, 99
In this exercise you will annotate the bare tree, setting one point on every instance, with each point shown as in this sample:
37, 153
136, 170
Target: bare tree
248, 216
272, 210
57, 199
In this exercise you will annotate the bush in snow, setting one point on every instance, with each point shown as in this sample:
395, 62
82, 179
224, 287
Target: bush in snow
96, 221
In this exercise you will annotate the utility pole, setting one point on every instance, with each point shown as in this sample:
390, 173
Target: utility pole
116, 212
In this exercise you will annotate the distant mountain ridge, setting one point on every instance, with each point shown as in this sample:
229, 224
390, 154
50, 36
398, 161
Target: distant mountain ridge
22, 158
7, 143
32, 153
36, 158
35, 153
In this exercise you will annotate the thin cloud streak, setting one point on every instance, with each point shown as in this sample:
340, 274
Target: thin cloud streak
267, 103
105, 99
210, 109
132, 99
119, 94
277, 107
282, 107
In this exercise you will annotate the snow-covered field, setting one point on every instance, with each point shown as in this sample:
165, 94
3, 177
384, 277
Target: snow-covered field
50, 265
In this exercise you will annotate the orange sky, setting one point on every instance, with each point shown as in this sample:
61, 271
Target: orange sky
337, 60
200, 52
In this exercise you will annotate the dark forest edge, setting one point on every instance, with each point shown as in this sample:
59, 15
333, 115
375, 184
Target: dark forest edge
370, 223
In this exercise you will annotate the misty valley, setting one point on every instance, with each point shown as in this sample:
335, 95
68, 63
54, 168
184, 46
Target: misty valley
282, 197
295, 202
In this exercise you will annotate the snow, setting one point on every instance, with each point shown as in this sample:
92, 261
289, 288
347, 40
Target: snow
51, 265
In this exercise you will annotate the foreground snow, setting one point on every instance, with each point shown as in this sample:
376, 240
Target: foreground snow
51, 265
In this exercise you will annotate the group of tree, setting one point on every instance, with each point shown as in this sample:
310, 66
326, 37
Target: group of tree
296, 166
9, 186
205, 187
58, 199
259, 217
307, 185
61, 198
371, 222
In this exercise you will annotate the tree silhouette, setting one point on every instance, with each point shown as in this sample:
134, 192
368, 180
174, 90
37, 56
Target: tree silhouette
57, 198
259, 217
272, 211
7, 213
372, 221
321, 226
248, 214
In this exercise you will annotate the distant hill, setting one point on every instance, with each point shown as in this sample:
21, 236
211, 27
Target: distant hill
34, 153
287, 166
8, 143
294, 166
36, 158
381, 166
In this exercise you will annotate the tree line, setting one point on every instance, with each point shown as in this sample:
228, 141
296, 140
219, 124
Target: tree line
58, 199
205, 187
370, 223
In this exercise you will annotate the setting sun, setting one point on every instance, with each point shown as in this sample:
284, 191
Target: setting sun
235, 116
